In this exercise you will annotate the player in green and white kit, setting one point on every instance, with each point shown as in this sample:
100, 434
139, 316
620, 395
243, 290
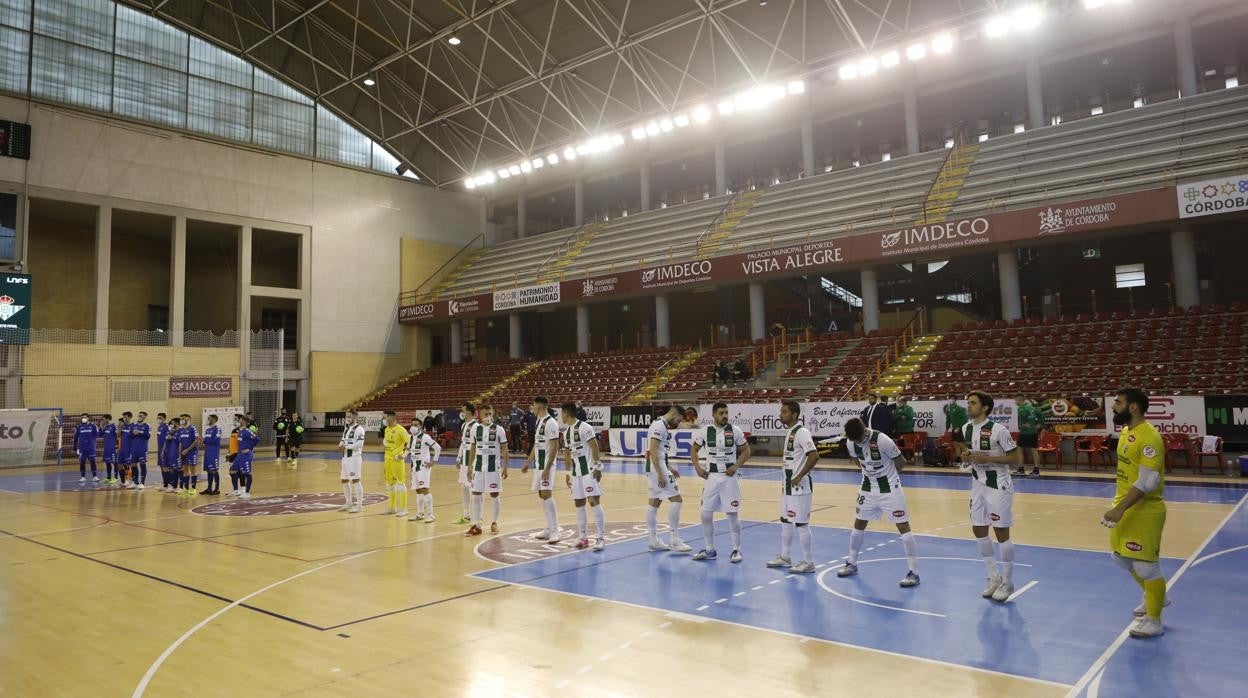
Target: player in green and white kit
467, 413
881, 495
580, 447
726, 451
543, 455
800, 456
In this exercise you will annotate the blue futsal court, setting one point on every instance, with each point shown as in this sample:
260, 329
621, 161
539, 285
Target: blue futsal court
1070, 609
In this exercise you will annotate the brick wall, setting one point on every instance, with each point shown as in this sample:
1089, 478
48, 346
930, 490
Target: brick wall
62, 264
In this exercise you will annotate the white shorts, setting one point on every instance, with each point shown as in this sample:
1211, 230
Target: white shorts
721, 493
351, 468
656, 492
991, 506
585, 486
796, 507
465, 475
540, 485
486, 481
890, 506
421, 477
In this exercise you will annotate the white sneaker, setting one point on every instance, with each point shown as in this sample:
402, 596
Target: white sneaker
600, 543
803, 567
1146, 626
244, 495
129, 485
82, 481
779, 561
418, 517
993, 583
1003, 591
401, 513
231, 493
1142, 610
543, 534
657, 545
345, 507
356, 509
140, 486
430, 518
679, 546
95, 478
735, 556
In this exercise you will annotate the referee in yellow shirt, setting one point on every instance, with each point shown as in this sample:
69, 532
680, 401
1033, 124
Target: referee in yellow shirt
395, 443
1139, 512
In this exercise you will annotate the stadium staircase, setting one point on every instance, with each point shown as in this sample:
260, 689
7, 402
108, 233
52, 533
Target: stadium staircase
948, 183
894, 379
562, 258
449, 280
506, 382
665, 375
721, 229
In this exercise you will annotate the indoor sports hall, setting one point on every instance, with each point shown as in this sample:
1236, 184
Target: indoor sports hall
623, 347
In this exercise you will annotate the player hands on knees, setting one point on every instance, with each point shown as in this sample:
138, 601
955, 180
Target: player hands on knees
1138, 513
800, 457
726, 450
580, 451
661, 476
880, 496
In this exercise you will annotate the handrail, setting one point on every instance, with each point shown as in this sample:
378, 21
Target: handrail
414, 294
559, 251
853, 391
697, 245
958, 141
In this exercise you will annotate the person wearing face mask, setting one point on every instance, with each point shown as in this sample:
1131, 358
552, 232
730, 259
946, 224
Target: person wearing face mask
212, 455
123, 456
232, 456
84, 441
1138, 514
247, 442
108, 432
173, 464
140, 435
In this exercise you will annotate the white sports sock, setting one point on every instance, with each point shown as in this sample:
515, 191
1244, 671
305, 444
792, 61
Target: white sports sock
673, 520
358, 488
708, 530
734, 525
497, 506
1007, 562
652, 522
477, 506
855, 545
807, 541
600, 520
400, 496
989, 555
465, 495
912, 550
346, 494
786, 540
582, 521
552, 515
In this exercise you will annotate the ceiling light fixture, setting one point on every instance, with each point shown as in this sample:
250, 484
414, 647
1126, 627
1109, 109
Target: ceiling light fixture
849, 71
916, 52
890, 59
701, 114
942, 43
639, 133
454, 40
369, 82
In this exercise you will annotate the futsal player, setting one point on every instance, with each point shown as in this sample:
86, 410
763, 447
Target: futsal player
84, 442
880, 496
661, 484
580, 448
173, 462
140, 435
395, 442
108, 433
424, 452
1138, 514
800, 456
294, 439
188, 442
162, 456
123, 455
726, 451
232, 457
542, 456
489, 468
212, 455
247, 442
351, 468
467, 415
990, 453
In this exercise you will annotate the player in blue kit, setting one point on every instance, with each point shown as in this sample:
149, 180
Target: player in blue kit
162, 456
188, 453
84, 442
108, 433
123, 455
247, 441
140, 435
212, 455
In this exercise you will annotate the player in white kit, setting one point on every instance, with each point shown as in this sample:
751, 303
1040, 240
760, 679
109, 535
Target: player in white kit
990, 456
543, 455
350, 470
580, 449
661, 481
726, 451
467, 413
423, 452
800, 457
881, 495
489, 468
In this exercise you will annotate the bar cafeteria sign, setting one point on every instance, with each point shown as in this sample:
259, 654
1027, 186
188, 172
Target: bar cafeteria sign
201, 386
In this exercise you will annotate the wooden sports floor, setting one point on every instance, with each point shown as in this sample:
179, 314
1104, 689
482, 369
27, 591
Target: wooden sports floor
116, 593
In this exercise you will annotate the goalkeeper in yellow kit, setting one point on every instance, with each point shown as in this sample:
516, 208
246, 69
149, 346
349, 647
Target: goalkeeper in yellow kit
394, 470
1138, 514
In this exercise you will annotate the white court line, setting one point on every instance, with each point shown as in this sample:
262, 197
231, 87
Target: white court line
807, 638
739, 593
703, 607
1099, 665
1220, 552
1022, 591
833, 592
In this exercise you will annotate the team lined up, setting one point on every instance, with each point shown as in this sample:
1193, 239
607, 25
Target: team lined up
178, 444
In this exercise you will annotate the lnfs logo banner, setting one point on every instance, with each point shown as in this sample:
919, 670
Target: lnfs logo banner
15, 295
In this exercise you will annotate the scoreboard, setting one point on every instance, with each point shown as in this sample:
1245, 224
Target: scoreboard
15, 140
